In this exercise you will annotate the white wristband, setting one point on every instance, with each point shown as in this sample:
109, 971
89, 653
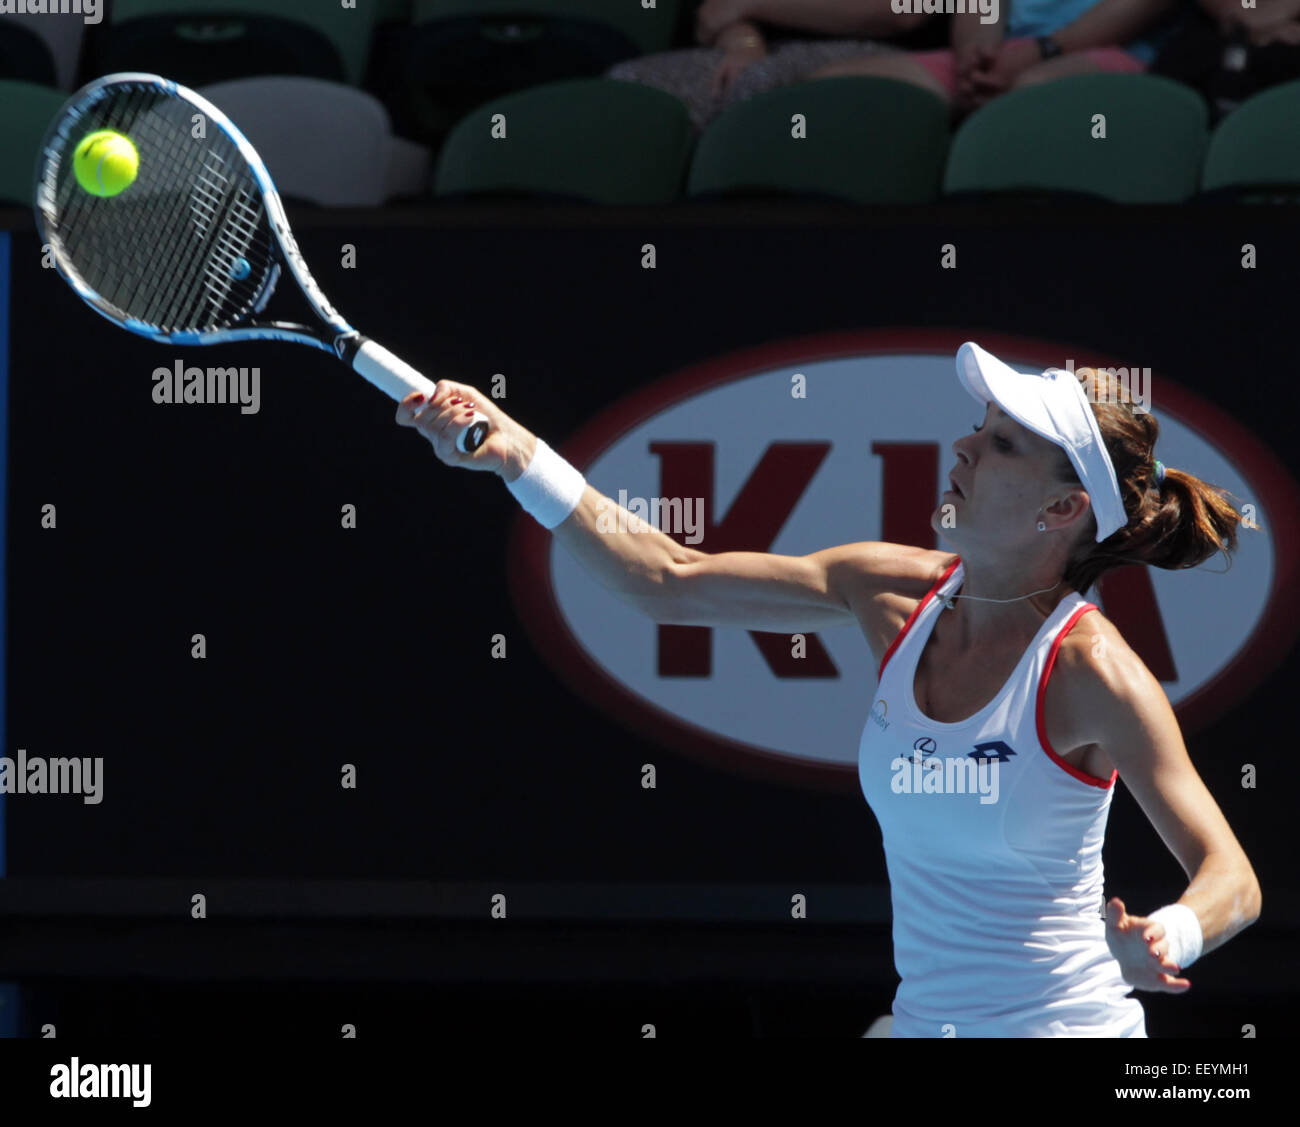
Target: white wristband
549, 489
1183, 932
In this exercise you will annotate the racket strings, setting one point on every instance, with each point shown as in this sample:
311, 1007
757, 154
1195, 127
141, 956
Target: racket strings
112, 260
189, 290
187, 246
234, 236
108, 267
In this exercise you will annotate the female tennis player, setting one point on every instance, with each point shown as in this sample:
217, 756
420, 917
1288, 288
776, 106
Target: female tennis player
1006, 706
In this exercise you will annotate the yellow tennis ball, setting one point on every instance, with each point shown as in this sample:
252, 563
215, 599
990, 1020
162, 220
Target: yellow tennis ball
106, 163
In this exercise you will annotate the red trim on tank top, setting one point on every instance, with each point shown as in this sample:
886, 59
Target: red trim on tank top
913, 616
1082, 776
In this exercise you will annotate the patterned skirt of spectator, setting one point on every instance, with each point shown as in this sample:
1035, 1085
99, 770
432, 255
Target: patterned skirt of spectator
689, 73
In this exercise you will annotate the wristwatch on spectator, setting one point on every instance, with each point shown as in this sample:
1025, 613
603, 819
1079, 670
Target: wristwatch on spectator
1048, 47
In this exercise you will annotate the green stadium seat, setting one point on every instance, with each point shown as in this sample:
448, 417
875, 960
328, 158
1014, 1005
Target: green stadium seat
1039, 140
460, 53
1254, 154
28, 111
869, 141
198, 42
590, 139
24, 54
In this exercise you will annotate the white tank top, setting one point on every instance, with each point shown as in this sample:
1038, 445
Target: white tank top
993, 846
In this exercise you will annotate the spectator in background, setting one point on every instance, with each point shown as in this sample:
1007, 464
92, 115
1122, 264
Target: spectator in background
1032, 41
749, 46
1275, 21
1230, 53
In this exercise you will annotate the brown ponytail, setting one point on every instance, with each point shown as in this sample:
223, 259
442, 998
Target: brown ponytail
1178, 523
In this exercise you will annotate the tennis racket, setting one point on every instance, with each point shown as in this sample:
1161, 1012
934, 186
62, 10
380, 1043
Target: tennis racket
191, 251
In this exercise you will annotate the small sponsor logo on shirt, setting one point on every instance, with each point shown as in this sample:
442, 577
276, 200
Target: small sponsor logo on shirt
878, 712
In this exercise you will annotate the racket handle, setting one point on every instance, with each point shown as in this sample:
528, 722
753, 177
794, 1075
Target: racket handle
397, 379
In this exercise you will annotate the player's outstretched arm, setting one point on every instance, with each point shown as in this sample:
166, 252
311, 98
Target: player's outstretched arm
669, 581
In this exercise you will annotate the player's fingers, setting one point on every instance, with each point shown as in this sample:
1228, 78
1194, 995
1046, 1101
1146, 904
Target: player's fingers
457, 393
441, 432
1159, 952
429, 422
428, 418
407, 408
411, 407
444, 431
442, 418
444, 391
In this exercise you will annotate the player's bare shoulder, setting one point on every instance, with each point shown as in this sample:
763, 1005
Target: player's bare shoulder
1095, 669
1096, 657
898, 571
888, 581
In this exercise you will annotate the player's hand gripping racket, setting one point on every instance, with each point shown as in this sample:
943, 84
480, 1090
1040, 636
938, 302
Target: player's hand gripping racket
190, 251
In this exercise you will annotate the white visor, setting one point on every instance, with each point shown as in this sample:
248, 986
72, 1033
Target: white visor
1054, 405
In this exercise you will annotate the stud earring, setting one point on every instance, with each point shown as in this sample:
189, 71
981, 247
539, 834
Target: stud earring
1042, 527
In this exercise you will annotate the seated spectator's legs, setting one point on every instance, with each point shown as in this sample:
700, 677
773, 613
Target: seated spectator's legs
686, 73
936, 71
1095, 60
920, 69
689, 72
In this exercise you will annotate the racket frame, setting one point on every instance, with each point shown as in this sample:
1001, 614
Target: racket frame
367, 357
